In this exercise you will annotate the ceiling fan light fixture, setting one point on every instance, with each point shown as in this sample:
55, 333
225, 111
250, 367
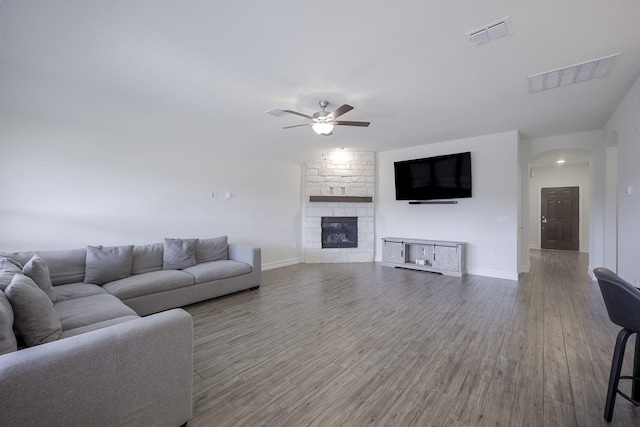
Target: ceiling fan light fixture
322, 128
322, 122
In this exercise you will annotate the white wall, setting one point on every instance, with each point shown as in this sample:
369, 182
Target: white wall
559, 176
492, 246
67, 186
626, 123
611, 206
524, 153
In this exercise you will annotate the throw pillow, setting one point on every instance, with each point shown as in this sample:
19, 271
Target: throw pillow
8, 341
107, 263
179, 254
212, 249
35, 319
147, 258
8, 269
38, 271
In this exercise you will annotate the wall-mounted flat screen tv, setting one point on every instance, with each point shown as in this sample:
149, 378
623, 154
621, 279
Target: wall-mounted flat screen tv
434, 178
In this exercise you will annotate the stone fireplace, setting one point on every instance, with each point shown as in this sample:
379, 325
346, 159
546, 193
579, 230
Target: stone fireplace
340, 185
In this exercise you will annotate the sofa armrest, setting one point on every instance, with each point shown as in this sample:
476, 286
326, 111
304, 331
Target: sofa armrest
247, 254
137, 373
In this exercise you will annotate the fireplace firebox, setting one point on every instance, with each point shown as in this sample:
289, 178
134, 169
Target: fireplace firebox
339, 232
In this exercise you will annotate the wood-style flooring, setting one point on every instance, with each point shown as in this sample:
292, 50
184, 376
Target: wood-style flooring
361, 344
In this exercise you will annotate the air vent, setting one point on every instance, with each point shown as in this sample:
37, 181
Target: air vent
489, 32
577, 73
276, 112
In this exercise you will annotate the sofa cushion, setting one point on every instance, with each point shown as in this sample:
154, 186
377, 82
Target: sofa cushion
217, 270
149, 283
35, 320
8, 269
212, 249
38, 271
147, 258
97, 325
65, 266
179, 253
79, 312
108, 263
8, 341
77, 290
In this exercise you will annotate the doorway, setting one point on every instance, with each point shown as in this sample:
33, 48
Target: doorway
560, 218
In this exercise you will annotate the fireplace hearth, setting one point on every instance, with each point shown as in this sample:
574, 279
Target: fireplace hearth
339, 232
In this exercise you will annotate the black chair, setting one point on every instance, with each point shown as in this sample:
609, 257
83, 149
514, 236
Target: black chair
623, 305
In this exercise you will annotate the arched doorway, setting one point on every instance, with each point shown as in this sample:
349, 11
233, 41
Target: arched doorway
567, 168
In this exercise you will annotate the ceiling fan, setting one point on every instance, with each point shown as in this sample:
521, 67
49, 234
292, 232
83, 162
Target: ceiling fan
324, 121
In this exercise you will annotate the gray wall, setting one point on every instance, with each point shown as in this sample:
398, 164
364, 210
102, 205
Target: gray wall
66, 186
625, 122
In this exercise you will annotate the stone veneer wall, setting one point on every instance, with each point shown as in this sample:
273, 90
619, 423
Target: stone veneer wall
339, 173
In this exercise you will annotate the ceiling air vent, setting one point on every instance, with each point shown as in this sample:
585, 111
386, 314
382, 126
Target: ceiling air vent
577, 73
489, 32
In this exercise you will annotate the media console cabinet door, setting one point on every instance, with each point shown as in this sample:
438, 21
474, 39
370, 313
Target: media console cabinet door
394, 252
446, 258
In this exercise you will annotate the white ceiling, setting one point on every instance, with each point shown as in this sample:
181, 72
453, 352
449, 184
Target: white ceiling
571, 156
204, 72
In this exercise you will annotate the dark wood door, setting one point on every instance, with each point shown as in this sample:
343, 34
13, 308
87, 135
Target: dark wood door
560, 218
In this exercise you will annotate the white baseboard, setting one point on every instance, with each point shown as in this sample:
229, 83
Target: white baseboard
498, 274
282, 263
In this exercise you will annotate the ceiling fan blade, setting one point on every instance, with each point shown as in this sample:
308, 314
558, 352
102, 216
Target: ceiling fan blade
306, 116
348, 123
345, 108
297, 126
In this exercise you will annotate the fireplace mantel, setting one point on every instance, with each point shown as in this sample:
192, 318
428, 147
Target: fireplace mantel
341, 199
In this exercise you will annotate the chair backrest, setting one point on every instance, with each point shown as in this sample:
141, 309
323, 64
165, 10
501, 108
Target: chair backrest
621, 298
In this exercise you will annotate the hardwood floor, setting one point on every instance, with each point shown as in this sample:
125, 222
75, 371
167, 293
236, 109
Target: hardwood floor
361, 344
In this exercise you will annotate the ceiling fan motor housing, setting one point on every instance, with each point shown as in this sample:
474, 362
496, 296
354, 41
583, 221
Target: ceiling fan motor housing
321, 115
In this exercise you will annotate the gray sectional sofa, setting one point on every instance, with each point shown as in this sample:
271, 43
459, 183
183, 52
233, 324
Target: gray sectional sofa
94, 337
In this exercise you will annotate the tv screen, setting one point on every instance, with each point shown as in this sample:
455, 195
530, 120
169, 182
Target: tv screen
434, 178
